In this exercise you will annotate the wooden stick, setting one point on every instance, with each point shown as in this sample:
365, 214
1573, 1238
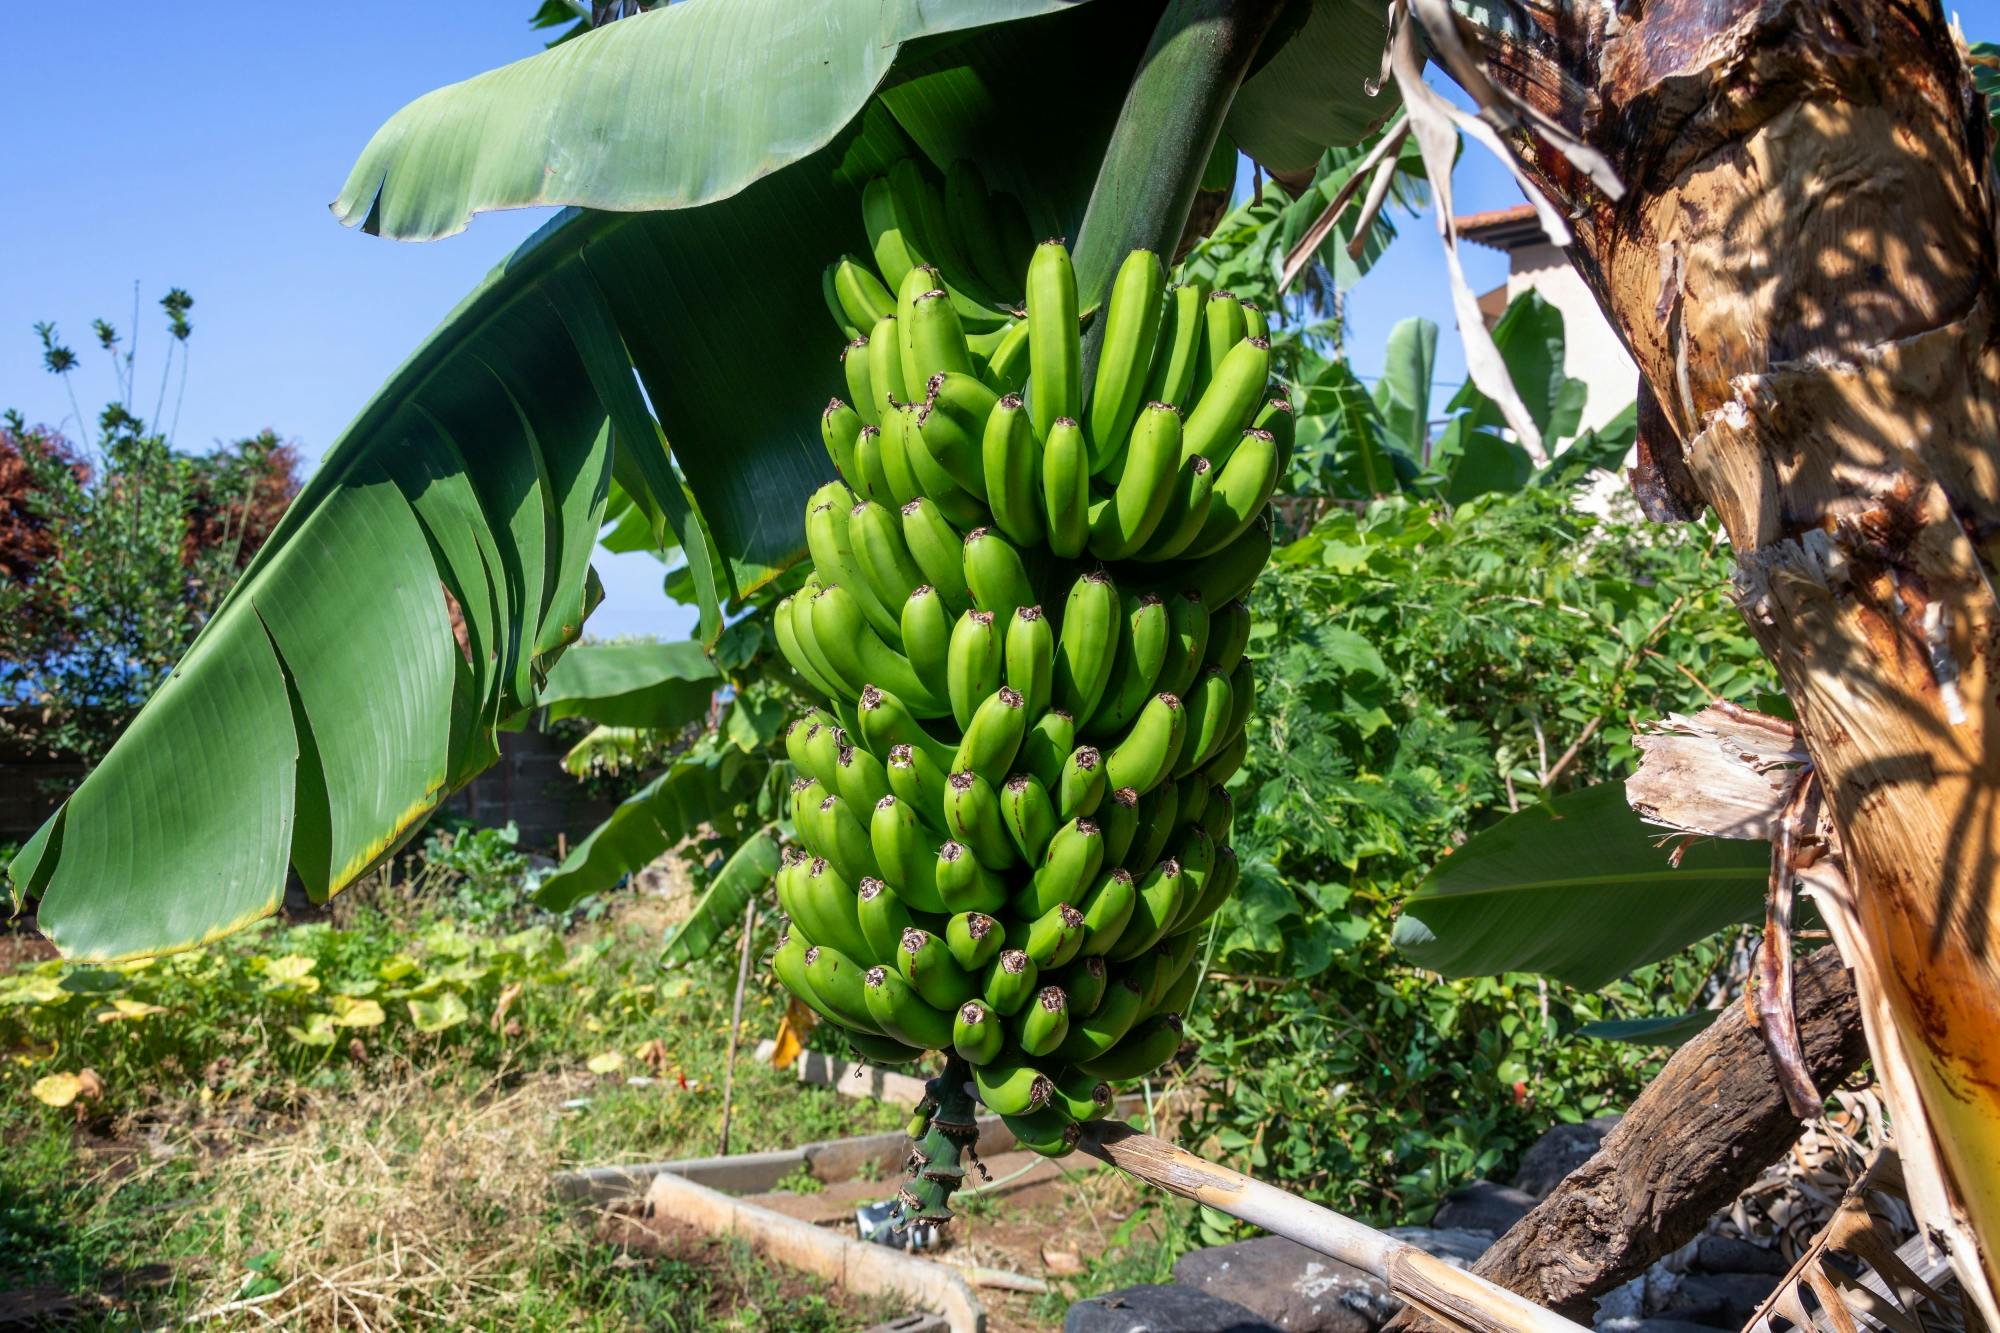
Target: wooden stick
736, 1023
1424, 1281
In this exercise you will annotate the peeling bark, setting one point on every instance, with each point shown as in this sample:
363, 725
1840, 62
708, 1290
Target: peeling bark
1803, 267
1696, 1138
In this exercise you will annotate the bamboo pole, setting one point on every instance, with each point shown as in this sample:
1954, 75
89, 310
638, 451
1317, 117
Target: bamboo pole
1424, 1281
736, 1023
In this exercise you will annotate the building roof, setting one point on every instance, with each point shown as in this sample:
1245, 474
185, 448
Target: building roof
1503, 229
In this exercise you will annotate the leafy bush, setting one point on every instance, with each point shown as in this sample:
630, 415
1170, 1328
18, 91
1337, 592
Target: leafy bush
1421, 667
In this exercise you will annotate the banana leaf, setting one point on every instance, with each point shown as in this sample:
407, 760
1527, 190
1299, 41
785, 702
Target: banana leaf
721, 906
1579, 889
1312, 94
669, 110
661, 685
647, 823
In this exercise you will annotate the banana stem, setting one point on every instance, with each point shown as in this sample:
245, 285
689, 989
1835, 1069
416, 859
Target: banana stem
1451, 1295
1165, 132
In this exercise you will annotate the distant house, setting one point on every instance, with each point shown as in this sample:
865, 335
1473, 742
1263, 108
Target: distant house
1592, 352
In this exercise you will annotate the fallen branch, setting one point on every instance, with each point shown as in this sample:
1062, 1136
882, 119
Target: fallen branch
1425, 1282
1694, 1140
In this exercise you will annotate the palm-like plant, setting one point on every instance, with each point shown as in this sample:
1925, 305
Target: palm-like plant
714, 151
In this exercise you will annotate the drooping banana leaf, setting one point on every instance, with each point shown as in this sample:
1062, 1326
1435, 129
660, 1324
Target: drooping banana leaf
694, 792
327, 707
1312, 94
721, 906
668, 110
663, 685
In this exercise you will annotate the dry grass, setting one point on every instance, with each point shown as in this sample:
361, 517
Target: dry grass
380, 1212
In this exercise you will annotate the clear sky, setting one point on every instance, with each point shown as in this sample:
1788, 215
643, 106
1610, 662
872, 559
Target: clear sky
172, 146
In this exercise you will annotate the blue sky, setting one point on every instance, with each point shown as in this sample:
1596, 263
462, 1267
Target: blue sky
149, 146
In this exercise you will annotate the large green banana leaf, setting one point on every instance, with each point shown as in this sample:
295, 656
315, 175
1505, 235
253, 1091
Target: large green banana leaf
668, 110
1312, 94
721, 905
693, 792
1579, 889
660, 685
327, 708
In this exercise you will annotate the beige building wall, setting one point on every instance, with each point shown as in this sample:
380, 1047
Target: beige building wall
1592, 351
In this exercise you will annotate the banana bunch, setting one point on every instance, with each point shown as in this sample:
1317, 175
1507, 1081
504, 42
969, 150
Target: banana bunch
1024, 620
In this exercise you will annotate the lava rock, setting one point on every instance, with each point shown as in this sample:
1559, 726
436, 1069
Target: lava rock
1651, 1326
1297, 1289
1163, 1309
1484, 1205
1457, 1248
1724, 1300
1727, 1254
1561, 1150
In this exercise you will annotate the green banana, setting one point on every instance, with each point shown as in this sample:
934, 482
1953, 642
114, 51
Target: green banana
1207, 707
1072, 861
1196, 854
1121, 524
1241, 492
927, 633
918, 281
885, 366
1177, 352
1055, 352
1054, 937
976, 1034
893, 256
972, 815
1159, 813
862, 296
1228, 635
1228, 403
1219, 814
1180, 995
1222, 329
1119, 817
789, 965
839, 426
1232, 571
902, 1014
1029, 815
951, 424
820, 749
1142, 650
1107, 911
1066, 488
1146, 756
879, 1050
1090, 1038
930, 476
1008, 982
1009, 461
1084, 982
1187, 511
836, 979
1046, 747
1089, 644
938, 551
1043, 1023
806, 794
1009, 1088
974, 661
1226, 761
936, 339
1081, 787
829, 910
1031, 653
1187, 642
1081, 1097
833, 558
847, 845
1145, 1049
1278, 417
896, 449
1193, 793
1131, 327
973, 939
906, 850
963, 883
859, 656
1242, 694
918, 782
1048, 1131
996, 575
793, 650
876, 538
1254, 323
970, 213
1007, 364
830, 293
925, 963
885, 722
860, 386
795, 738
993, 736
1154, 908
871, 480
861, 777
1221, 883
883, 916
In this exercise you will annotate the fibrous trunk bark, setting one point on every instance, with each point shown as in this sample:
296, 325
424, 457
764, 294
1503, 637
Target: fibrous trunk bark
1696, 1138
1803, 268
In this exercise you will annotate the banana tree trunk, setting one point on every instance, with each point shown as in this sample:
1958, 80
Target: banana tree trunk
1803, 267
